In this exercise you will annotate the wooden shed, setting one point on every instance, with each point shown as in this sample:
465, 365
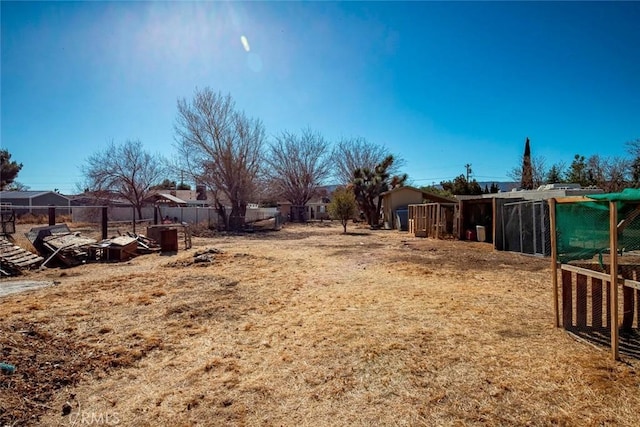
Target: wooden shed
400, 198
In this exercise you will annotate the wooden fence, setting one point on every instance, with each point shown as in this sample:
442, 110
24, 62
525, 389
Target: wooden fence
435, 220
586, 299
598, 306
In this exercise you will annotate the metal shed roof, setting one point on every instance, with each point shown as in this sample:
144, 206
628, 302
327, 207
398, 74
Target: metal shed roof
26, 194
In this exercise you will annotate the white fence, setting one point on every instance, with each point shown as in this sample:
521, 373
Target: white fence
191, 215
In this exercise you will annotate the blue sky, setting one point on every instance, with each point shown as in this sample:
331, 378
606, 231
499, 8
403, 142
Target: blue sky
440, 84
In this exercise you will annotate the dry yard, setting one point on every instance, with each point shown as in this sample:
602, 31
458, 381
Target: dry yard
306, 326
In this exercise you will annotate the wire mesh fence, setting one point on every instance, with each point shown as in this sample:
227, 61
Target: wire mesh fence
590, 306
525, 227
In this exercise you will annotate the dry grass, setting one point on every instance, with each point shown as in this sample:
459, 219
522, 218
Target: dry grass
307, 326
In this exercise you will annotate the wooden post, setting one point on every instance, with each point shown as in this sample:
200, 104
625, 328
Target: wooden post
596, 302
52, 215
554, 259
627, 307
104, 222
461, 230
613, 248
638, 308
607, 305
637, 292
438, 221
567, 299
581, 300
494, 217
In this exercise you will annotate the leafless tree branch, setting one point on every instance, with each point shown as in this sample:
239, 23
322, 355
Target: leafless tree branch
126, 170
222, 147
298, 164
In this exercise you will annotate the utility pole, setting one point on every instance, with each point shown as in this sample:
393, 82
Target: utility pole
468, 167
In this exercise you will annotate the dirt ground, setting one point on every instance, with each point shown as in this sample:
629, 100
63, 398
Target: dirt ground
305, 326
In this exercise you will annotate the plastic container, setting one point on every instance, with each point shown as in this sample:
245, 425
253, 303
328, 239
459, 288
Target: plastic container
481, 233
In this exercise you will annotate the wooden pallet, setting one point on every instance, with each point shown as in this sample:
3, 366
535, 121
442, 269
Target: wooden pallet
15, 258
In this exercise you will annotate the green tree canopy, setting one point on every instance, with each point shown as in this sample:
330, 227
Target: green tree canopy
461, 186
368, 186
526, 180
555, 174
577, 173
343, 206
166, 184
8, 169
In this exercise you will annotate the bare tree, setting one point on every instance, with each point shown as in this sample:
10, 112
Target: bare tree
350, 154
596, 171
125, 170
538, 170
297, 165
222, 148
617, 171
633, 148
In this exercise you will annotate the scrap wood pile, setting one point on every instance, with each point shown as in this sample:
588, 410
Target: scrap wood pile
59, 246
14, 259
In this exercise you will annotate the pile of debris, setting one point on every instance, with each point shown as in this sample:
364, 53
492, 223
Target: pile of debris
64, 248
14, 259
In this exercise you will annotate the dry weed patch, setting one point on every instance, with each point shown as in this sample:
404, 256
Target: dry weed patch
307, 326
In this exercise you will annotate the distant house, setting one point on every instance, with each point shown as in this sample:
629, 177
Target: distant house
166, 199
192, 197
35, 202
316, 208
395, 204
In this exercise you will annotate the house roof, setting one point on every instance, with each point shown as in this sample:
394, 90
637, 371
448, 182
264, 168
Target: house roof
26, 194
169, 198
427, 195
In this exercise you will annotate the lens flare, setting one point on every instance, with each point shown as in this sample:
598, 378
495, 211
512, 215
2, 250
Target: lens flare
245, 43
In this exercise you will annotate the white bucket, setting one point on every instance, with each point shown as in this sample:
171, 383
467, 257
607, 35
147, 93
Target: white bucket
481, 233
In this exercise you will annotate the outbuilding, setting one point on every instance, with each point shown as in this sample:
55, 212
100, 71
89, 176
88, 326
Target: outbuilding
515, 221
35, 202
395, 204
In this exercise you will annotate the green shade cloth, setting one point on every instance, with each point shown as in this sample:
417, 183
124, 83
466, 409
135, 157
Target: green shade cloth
626, 195
582, 228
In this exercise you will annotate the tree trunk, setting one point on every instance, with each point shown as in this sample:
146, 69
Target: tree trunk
237, 216
368, 209
375, 220
344, 225
222, 213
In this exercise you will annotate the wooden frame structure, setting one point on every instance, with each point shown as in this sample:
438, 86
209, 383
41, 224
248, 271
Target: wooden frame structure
7, 219
582, 306
435, 220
